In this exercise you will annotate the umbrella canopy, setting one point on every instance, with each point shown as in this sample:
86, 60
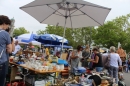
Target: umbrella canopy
69, 13
46, 37
50, 39
60, 39
27, 38
49, 45
65, 46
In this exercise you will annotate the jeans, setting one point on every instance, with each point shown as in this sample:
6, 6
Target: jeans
3, 73
99, 69
127, 68
114, 73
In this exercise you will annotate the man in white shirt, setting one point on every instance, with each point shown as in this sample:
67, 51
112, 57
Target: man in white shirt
17, 48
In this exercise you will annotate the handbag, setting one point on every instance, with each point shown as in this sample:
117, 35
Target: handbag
107, 63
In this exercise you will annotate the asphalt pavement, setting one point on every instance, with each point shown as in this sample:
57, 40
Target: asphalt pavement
127, 78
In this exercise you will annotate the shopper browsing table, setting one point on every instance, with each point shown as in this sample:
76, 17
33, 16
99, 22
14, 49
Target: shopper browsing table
97, 61
5, 47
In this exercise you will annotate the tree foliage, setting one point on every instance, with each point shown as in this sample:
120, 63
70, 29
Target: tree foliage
79, 36
109, 34
113, 32
19, 31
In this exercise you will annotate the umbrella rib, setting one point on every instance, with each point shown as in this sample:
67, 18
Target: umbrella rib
89, 16
70, 20
56, 10
76, 10
50, 14
76, 15
94, 6
37, 5
58, 14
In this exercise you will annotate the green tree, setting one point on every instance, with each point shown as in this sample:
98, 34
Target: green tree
79, 36
39, 32
19, 31
122, 21
113, 32
106, 36
126, 44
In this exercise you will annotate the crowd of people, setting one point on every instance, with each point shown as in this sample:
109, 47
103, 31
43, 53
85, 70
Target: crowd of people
114, 61
81, 57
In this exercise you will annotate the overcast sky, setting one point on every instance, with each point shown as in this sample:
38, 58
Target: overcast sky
11, 9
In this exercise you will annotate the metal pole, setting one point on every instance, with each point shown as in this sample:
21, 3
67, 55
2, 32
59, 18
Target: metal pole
90, 36
65, 26
64, 33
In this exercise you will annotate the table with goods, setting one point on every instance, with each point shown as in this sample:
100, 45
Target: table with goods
35, 69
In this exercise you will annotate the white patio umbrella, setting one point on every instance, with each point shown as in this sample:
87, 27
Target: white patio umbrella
67, 13
26, 39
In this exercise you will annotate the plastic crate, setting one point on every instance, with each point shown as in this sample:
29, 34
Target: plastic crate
60, 61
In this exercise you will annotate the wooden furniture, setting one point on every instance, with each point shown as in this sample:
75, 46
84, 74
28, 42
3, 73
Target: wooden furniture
14, 70
64, 56
37, 71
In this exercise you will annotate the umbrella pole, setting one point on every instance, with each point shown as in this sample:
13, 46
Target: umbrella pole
64, 27
64, 35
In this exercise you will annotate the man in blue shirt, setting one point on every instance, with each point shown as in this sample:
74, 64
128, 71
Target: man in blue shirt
5, 47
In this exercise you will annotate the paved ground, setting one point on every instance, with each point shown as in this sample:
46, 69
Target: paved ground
127, 78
